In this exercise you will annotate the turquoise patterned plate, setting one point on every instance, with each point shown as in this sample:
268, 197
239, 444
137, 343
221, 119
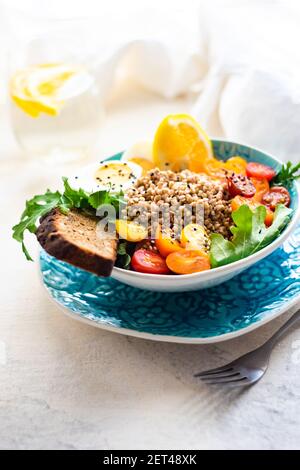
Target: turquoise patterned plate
240, 305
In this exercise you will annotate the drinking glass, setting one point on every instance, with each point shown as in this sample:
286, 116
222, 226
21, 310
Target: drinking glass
72, 131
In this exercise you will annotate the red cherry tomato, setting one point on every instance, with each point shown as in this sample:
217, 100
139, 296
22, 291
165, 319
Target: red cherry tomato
276, 195
240, 185
260, 171
146, 261
146, 244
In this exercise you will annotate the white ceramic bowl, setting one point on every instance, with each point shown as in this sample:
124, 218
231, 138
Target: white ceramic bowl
164, 283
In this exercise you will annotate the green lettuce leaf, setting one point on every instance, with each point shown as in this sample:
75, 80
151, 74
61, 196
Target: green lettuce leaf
249, 234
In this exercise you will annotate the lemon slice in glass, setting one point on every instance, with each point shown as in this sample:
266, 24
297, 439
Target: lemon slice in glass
44, 88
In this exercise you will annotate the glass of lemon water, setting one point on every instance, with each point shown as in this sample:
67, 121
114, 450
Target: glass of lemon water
56, 108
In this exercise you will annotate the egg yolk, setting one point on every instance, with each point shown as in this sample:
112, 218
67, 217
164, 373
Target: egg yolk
115, 175
143, 162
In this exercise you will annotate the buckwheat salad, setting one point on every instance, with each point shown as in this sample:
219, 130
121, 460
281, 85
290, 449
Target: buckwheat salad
168, 207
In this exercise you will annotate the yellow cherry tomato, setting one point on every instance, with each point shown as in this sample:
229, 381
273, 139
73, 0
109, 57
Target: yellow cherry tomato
166, 244
236, 164
262, 187
131, 231
188, 261
194, 237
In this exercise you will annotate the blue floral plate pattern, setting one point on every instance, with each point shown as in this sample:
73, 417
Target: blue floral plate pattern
245, 302
256, 296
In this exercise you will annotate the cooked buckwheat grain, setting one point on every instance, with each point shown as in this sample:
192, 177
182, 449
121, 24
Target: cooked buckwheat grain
160, 189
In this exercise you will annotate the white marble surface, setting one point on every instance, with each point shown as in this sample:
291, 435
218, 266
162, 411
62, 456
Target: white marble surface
66, 385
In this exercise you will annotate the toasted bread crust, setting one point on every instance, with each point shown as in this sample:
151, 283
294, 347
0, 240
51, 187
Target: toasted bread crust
72, 238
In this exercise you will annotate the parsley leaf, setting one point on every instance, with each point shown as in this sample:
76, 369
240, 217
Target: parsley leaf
249, 234
287, 174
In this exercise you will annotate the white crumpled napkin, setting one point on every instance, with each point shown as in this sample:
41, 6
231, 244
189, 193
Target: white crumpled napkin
251, 92
239, 57
243, 57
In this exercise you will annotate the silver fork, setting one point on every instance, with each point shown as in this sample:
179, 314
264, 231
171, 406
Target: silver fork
250, 368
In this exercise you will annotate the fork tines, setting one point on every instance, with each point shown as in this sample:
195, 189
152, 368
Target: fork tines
222, 375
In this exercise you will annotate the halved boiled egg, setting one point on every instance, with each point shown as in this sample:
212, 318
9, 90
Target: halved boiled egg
111, 175
141, 154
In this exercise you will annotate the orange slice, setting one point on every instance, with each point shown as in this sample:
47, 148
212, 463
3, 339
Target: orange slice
181, 143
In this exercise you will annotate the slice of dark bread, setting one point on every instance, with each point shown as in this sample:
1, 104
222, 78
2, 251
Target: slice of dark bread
73, 238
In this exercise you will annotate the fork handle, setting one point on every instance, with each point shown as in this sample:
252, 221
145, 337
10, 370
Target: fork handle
279, 333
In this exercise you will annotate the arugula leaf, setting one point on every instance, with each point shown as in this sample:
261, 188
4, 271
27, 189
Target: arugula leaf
41, 204
35, 208
99, 198
118, 201
123, 258
249, 234
287, 174
77, 198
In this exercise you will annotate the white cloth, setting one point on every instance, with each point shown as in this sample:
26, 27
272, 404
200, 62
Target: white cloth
240, 58
252, 87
